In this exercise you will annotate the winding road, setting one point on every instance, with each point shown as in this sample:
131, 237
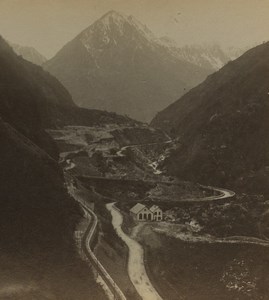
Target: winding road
136, 266
120, 152
222, 194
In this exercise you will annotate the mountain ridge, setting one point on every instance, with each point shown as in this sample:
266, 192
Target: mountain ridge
29, 53
209, 56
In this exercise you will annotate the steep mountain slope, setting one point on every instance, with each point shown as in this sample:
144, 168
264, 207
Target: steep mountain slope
222, 125
37, 218
118, 65
234, 52
27, 93
29, 53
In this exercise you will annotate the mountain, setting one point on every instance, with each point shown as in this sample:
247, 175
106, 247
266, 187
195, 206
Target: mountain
29, 53
117, 64
49, 106
210, 57
222, 126
28, 94
37, 217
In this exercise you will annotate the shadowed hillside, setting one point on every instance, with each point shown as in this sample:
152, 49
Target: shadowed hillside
222, 126
38, 258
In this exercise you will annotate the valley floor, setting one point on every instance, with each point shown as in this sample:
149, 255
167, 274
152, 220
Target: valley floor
205, 248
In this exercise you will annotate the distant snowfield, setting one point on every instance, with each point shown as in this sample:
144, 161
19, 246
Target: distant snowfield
136, 267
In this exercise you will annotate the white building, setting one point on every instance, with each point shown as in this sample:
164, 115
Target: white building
157, 213
141, 213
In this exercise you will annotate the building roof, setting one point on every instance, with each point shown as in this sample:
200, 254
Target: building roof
154, 208
137, 208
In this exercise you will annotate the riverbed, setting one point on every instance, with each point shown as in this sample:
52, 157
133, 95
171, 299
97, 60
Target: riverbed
136, 267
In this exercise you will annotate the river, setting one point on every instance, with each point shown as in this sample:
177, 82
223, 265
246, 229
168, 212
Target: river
136, 267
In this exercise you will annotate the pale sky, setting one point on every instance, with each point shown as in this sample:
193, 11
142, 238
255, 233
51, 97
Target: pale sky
48, 24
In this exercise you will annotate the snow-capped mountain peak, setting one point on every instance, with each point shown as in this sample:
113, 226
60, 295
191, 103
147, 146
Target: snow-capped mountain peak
111, 28
112, 17
117, 64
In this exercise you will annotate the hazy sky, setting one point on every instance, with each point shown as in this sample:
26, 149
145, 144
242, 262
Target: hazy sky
49, 24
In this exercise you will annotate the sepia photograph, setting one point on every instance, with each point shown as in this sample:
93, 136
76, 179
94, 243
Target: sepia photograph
134, 150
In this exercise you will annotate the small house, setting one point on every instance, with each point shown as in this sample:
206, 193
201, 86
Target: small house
141, 213
157, 213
